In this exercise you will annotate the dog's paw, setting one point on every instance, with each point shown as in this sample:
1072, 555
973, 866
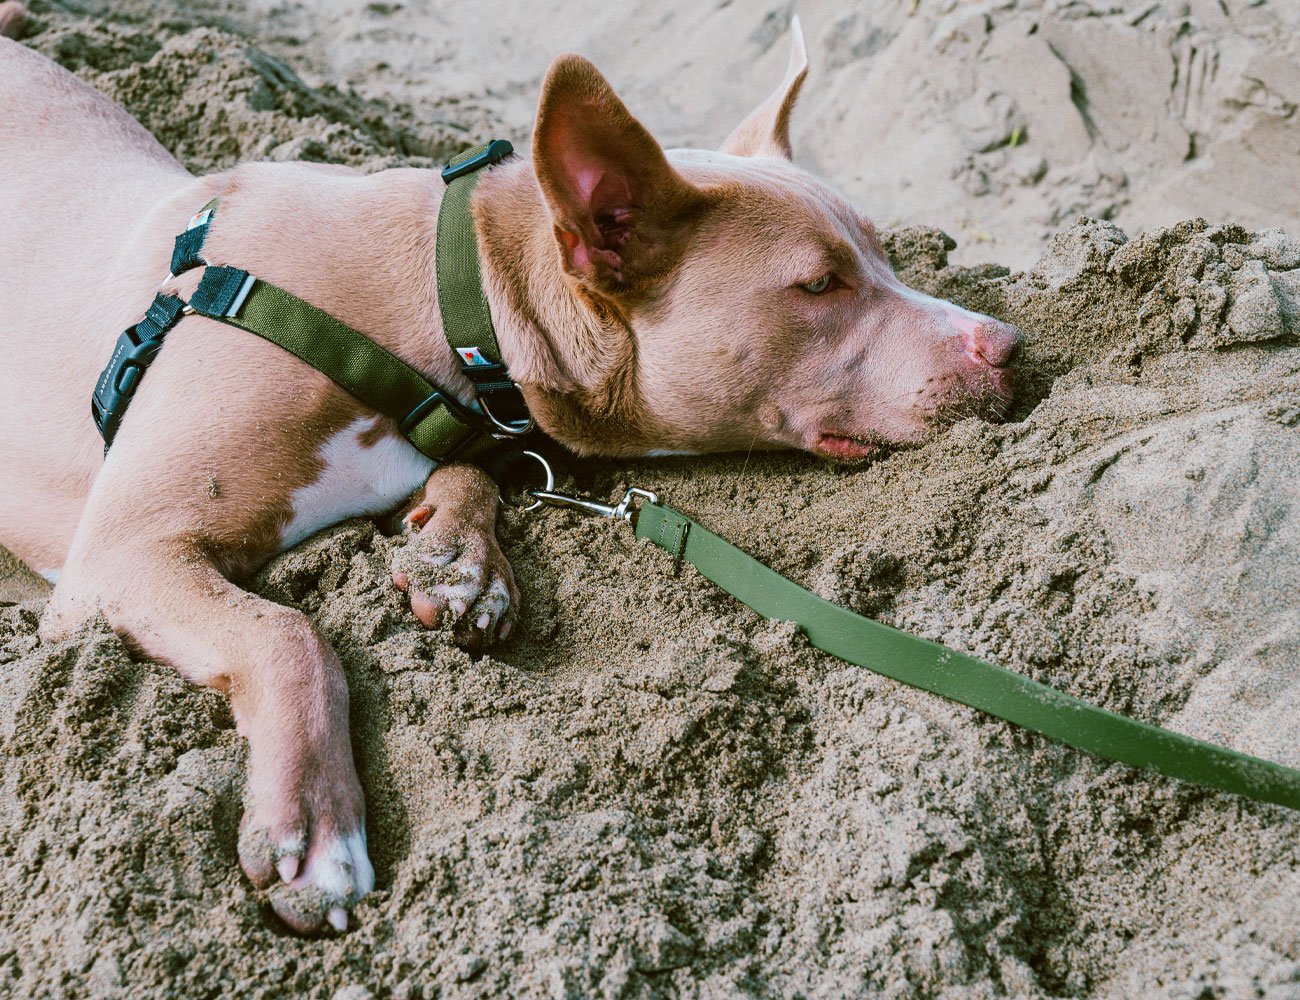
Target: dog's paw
307, 846
455, 572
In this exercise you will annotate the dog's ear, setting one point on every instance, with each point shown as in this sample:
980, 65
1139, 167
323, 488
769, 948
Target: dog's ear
766, 132
619, 208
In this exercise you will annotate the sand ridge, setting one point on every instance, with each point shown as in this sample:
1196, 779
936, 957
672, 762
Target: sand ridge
650, 792
999, 121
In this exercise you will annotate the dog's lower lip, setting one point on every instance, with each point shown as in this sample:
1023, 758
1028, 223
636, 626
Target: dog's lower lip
845, 446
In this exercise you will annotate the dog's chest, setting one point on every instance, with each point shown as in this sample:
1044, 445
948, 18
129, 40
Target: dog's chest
357, 478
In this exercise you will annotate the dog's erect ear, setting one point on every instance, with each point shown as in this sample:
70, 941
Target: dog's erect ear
766, 132
620, 210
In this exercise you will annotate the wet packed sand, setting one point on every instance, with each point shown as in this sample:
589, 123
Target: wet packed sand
650, 792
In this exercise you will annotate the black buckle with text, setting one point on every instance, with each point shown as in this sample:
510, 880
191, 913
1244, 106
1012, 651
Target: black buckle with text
132, 354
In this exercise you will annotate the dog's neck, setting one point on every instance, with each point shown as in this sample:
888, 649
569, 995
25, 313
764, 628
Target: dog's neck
574, 357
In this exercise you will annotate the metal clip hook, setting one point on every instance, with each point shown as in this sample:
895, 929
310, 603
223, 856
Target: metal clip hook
624, 510
550, 483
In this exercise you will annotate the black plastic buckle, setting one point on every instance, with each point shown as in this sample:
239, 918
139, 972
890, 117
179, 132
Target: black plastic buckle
494, 152
118, 382
134, 351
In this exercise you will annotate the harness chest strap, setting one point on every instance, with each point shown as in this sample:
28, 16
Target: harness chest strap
349, 358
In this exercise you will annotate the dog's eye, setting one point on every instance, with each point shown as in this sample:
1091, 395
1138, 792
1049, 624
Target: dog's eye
822, 284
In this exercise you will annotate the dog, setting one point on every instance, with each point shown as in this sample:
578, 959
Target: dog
646, 301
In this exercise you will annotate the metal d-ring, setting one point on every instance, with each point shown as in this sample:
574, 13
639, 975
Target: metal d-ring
516, 428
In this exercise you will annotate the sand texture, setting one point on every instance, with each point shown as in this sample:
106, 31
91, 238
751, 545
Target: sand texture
999, 121
648, 791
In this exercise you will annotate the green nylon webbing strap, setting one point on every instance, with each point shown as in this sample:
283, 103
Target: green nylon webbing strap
963, 678
352, 360
466, 319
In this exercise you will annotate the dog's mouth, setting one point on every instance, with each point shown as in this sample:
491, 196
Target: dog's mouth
847, 448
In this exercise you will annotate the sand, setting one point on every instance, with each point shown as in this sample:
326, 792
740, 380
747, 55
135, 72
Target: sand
649, 792
998, 121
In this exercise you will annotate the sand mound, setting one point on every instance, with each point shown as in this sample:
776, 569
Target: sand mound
998, 120
649, 792
214, 100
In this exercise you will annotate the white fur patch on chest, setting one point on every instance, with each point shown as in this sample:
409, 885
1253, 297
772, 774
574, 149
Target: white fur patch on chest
357, 479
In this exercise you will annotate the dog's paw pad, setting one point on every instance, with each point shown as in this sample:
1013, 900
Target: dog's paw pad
456, 574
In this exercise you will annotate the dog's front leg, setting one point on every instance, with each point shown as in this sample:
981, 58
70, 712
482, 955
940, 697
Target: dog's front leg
303, 830
452, 567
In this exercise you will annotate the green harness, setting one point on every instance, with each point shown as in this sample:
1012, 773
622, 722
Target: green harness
437, 424
432, 419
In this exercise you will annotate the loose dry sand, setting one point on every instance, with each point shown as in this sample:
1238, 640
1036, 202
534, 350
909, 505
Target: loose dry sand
648, 791
998, 121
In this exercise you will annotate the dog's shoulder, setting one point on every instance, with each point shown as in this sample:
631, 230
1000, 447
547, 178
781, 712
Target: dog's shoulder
357, 245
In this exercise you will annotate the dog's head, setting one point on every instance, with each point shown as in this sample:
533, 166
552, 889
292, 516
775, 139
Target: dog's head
746, 302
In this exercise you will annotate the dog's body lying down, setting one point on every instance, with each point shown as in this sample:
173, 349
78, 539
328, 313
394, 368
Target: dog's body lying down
646, 302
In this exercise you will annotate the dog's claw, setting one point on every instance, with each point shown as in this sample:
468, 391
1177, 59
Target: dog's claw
287, 867
417, 517
337, 874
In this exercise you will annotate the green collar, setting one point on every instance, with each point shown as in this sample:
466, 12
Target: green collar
432, 419
466, 319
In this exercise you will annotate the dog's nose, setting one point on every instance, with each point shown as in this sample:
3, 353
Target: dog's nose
993, 343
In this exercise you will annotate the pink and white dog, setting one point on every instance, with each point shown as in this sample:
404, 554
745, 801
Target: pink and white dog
646, 301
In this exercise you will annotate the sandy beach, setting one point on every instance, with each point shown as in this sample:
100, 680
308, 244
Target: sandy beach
648, 791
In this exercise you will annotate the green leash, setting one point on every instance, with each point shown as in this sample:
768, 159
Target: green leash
939, 670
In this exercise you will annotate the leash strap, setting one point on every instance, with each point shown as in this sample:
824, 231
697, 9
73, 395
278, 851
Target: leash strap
965, 679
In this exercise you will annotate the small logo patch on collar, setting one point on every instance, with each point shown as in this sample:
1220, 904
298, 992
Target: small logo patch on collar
472, 356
